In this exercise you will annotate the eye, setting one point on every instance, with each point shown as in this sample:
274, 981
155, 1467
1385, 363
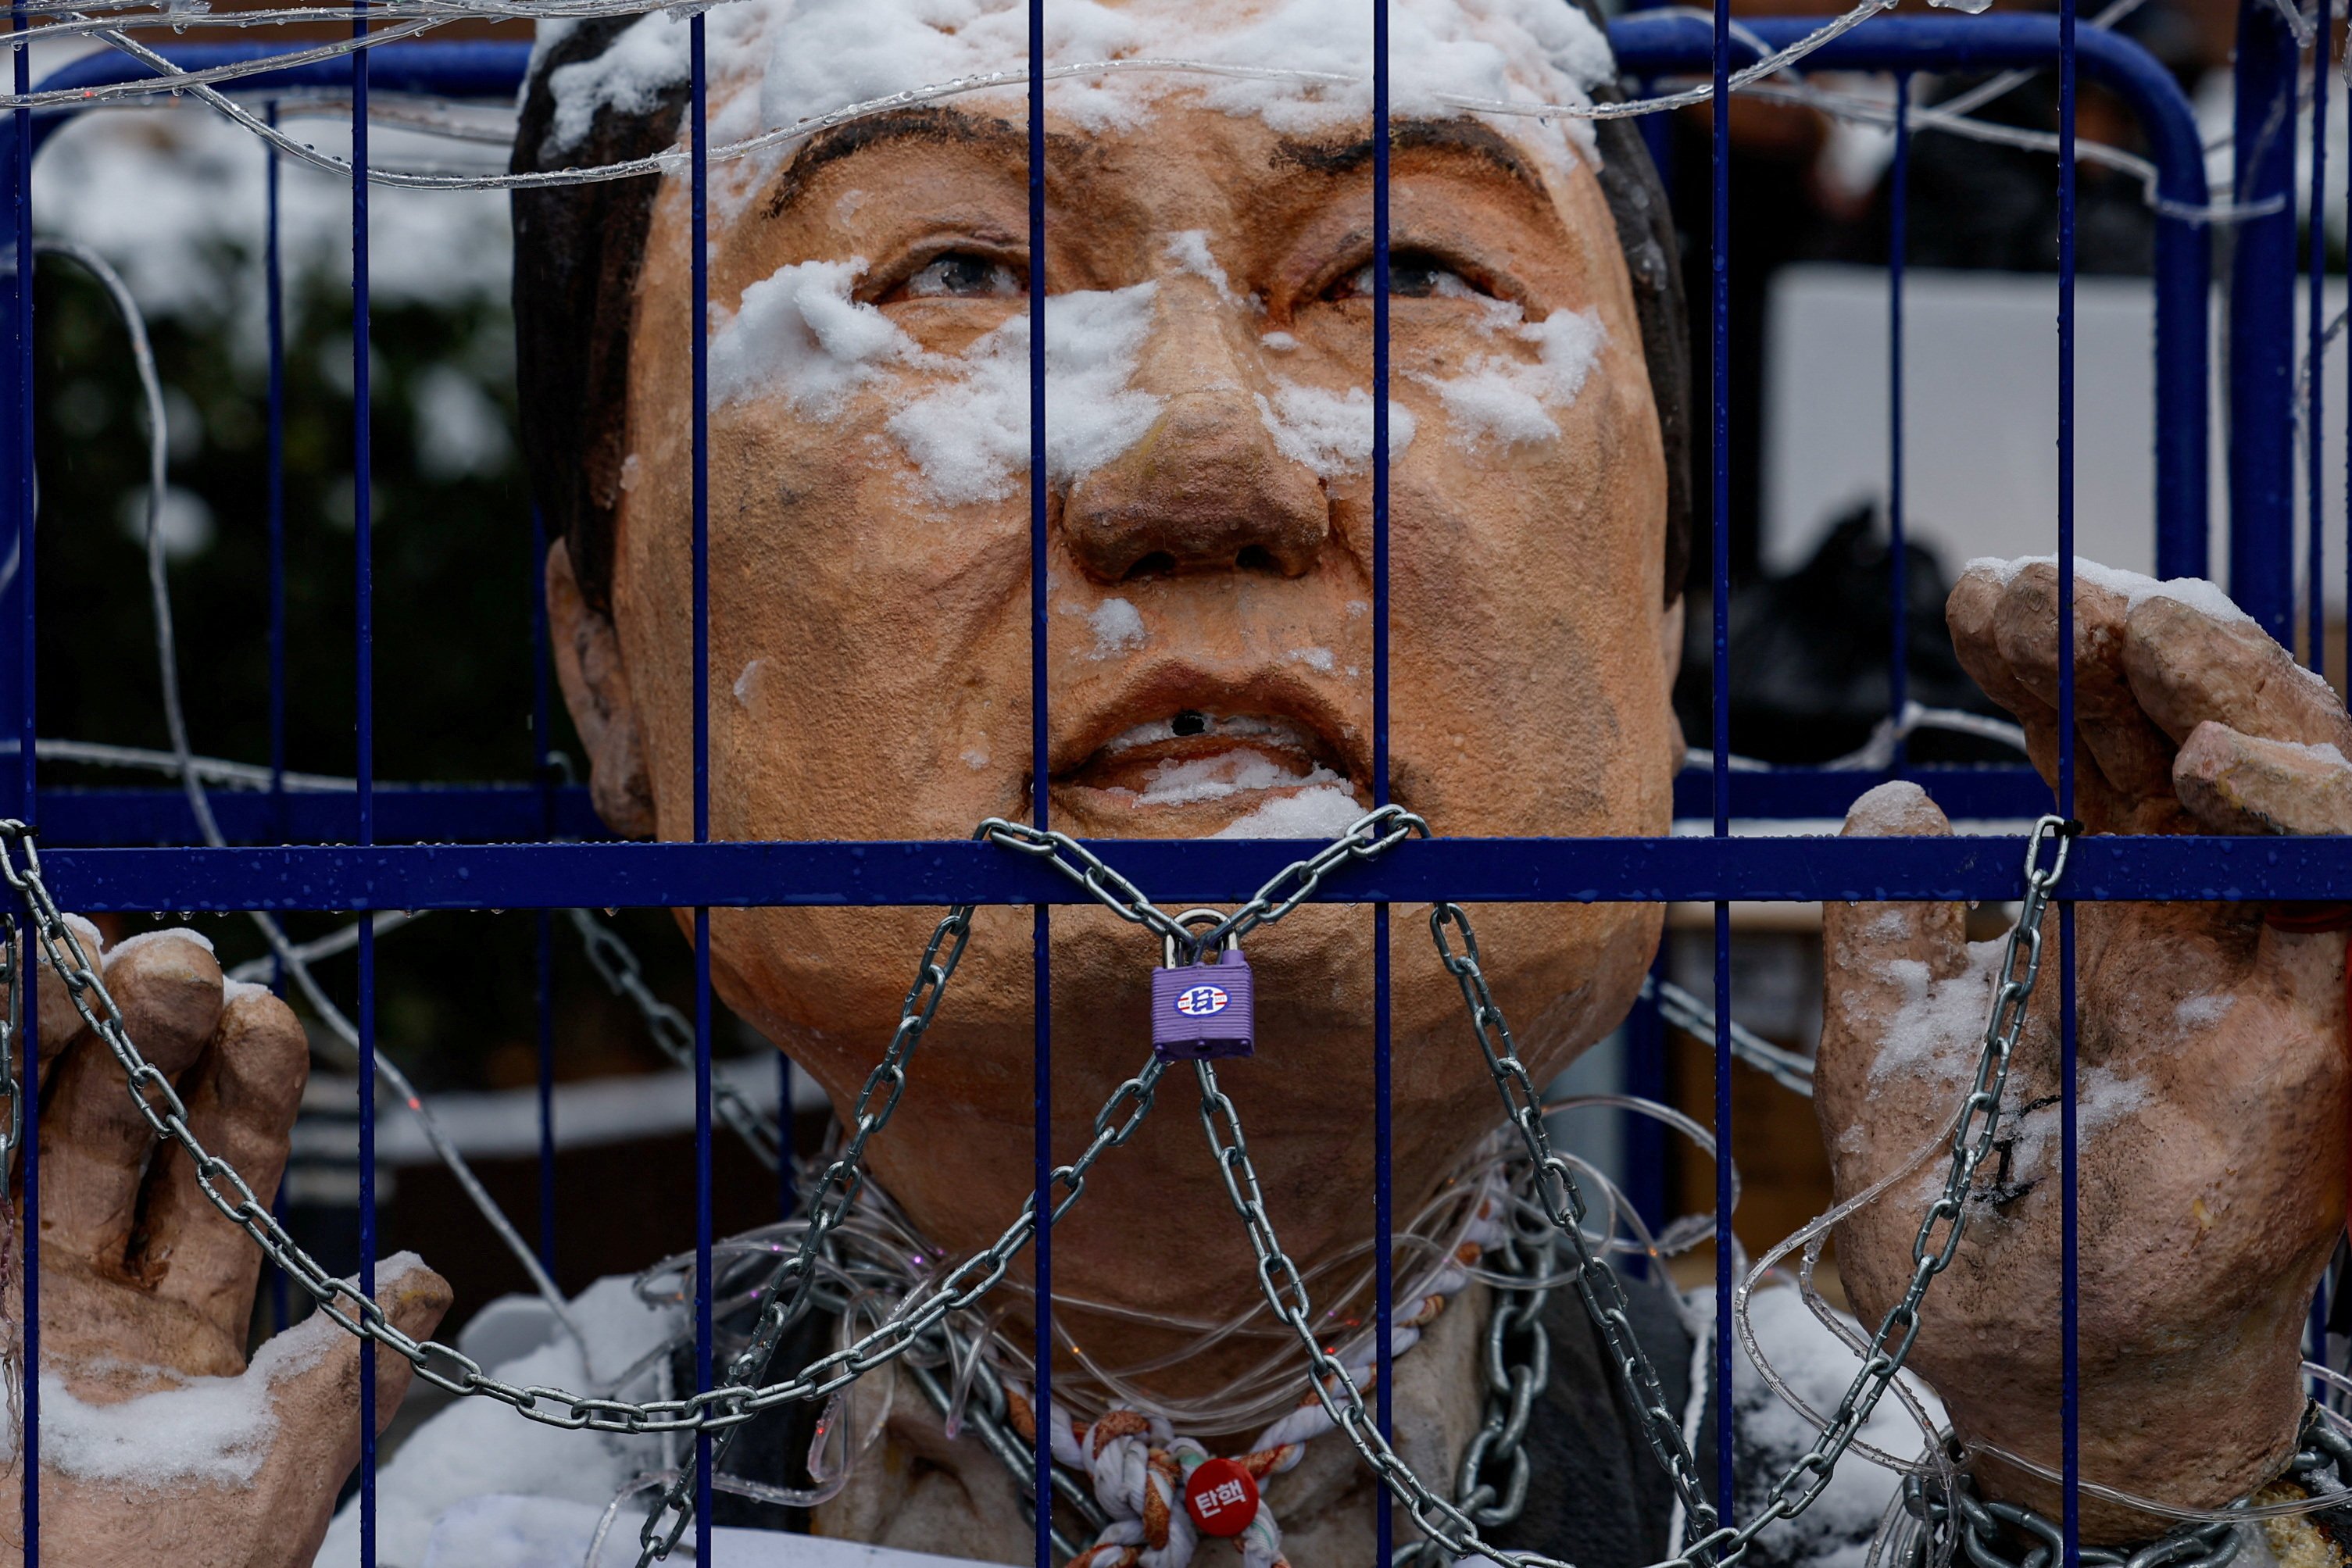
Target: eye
1412, 275
960, 275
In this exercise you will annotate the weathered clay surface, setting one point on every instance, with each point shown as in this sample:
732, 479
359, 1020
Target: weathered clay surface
869, 668
2212, 1073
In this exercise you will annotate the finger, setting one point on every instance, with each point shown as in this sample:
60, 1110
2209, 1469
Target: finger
242, 1099
2235, 783
2132, 756
1866, 945
94, 1142
2191, 659
313, 1374
1971, 614
59, 1020
1880, 957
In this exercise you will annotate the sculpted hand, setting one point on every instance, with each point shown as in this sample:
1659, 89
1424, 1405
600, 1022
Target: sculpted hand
2211, 1085
158, 1441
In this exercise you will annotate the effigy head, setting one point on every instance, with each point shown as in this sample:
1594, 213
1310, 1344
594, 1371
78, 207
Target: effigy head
1209, 446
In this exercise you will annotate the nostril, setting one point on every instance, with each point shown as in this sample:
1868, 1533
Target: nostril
1256, 557
1159, 563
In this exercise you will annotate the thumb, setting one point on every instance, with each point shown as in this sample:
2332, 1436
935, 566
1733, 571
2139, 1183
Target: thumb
1877, 960
312, 1373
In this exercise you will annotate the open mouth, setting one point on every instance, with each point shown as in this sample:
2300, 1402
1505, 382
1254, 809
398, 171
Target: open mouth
1202, 771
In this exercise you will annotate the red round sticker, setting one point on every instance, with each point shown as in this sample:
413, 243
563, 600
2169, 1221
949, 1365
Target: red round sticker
1222, 1497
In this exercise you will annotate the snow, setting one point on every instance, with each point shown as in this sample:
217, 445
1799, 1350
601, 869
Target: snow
214, 1431
1886, 808
2194, 591
629, 76
1936, 1030
130, 944
795, 59
747, 682
1280, 342
1323, 812
477, 1448
1835, 1531
1189, 251
969, 435
798, 332
1117, 628
962, 419
1313, 658
2202, 1012
1329, 432
1507, 399
1181, 783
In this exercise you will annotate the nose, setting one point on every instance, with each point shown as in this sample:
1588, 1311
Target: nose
1204, 491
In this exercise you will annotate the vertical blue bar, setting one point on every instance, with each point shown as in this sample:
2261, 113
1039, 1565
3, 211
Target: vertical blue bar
363, 545
543, 998
2315, 611
698, 137
2070, 1303
1040, 786
1898, 230
2262, 325
21, 203
274, 289
1719, 369
1383, 1130
274, 302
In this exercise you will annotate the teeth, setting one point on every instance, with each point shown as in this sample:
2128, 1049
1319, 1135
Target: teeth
1226, 727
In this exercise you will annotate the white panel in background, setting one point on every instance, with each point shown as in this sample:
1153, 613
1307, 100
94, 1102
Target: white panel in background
1980, 422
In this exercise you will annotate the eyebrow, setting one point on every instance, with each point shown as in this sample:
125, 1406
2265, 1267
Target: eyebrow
928, 122
1467, 137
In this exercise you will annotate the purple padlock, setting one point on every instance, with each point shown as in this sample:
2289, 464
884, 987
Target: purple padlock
1203, 1010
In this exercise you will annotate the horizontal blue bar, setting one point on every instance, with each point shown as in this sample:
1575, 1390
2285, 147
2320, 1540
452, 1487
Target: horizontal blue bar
1176, 873
405, 813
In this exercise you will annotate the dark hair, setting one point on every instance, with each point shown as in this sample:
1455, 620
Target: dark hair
577, 249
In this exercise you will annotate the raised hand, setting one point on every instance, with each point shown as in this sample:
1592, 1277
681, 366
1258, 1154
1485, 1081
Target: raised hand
2211, 1086
159, 1441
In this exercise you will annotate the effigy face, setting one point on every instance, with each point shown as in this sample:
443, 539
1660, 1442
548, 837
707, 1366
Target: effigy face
1209, 598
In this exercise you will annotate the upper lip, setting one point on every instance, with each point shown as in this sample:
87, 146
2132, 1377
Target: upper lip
1165, 690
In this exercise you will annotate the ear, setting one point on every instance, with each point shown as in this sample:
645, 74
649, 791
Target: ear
596, 684
1670, 665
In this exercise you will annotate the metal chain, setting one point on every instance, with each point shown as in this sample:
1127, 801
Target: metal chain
1491, 1483
1288, 888
1454, 1527
616, 964
786, 1290
1712, 1545
446, 1368
735, 1402
2322, 1464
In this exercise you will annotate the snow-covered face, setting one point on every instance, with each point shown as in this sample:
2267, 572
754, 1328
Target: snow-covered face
1209, 338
